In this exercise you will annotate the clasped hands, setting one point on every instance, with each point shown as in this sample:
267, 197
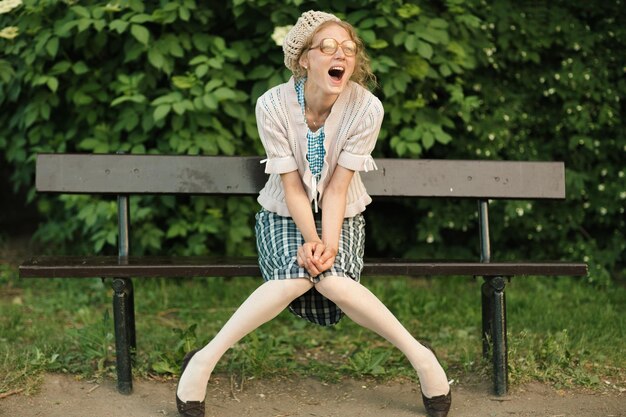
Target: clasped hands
316, 257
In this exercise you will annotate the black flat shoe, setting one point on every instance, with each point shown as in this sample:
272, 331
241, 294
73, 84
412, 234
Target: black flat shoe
189, 408
438, 406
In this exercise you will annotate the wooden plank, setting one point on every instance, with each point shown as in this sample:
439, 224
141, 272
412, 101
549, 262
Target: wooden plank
148, 174
135, 267
169, 174
458, 178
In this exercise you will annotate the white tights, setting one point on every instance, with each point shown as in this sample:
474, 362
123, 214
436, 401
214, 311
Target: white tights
267, 301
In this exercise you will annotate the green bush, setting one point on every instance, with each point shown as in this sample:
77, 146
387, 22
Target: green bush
459, 79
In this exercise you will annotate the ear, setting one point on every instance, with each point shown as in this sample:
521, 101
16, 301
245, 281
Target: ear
304, 61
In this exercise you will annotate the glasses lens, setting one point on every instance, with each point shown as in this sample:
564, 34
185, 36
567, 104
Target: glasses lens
328, 46
349, 48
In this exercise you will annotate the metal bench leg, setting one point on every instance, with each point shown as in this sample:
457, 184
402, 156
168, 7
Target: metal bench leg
486, 316
498, 332
124, 332
132, 338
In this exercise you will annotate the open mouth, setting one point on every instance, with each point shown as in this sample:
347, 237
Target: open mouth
336, 73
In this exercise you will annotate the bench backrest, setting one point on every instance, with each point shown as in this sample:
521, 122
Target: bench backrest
173, 174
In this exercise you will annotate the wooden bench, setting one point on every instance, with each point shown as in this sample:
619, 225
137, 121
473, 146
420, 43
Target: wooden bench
125, 175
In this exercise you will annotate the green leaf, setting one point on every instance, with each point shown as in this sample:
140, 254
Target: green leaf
83, 24
407, 11
140, 33
200, 59
60, 67
210, 101
425, 50
399, 38
212, 85
170, 98
176, 229
435, 36
224, 93
156, 58
118, 25
63, 30
141, 18
184, 14
417, 67
216, 62
44, 110
179, 108
89, 144
219, 43
226, 145
80, 11
428, 140
438, 23
201, 70
442, 137
201, 41
410, 43
52, 46
414, 148
183, 82
138, 98
260, 72
172, 46
379, 44
81, 98
368, 36
53, 84
367, 23
99, 25
80, 68
161, 111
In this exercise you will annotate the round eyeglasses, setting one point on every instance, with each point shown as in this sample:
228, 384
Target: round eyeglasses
329, 46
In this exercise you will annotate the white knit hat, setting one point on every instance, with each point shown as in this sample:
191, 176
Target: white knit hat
300, 34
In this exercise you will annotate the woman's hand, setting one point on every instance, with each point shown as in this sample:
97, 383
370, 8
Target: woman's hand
316, 257
326, 259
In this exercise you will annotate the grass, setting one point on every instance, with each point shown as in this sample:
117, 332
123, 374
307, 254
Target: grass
561, 331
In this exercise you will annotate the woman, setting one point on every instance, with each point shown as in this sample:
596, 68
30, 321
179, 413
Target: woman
318, 130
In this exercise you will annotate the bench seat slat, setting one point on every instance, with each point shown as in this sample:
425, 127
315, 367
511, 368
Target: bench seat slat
146, 267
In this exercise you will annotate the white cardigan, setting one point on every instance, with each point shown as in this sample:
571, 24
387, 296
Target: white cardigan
351, 130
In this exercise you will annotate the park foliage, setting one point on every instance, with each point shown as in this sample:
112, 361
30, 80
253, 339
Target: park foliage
459, 79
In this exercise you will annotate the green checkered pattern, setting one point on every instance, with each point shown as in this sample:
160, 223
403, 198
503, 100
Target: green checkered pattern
315, 140
278, 240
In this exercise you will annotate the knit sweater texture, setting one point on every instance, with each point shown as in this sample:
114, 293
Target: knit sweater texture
351, 130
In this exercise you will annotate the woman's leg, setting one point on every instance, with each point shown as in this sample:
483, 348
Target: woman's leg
367, 310
265, 303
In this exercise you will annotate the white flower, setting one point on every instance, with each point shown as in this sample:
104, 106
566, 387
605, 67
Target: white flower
9, 32
7, 5
279, 34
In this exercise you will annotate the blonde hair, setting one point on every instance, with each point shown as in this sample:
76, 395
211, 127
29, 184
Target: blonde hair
362, 74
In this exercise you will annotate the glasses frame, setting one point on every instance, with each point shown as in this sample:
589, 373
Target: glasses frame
337, 45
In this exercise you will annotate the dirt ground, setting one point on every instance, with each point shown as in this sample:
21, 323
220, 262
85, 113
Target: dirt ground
64, 396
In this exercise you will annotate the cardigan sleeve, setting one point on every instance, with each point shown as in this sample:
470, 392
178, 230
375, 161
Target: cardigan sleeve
280, 158
356, 151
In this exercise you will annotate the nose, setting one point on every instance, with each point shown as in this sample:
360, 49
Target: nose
339, 54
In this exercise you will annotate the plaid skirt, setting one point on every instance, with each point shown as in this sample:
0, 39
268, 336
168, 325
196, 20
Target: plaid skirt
278, 240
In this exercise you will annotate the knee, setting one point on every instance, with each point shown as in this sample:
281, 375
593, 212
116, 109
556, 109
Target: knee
336, 289
290, 288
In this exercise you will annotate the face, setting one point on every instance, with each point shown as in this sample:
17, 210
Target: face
328, 73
